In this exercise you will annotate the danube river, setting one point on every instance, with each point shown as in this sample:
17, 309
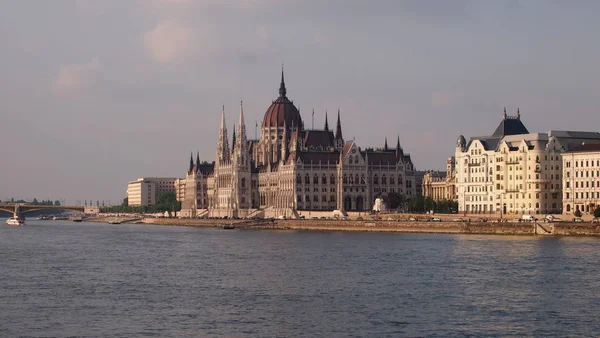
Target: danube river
59, 278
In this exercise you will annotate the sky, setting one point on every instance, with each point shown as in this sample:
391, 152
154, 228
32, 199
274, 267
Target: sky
94, 94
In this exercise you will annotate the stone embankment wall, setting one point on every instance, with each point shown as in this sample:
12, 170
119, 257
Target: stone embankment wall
560, 228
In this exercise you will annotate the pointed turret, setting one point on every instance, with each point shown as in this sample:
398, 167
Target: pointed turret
191, 163
282, 90
198, 161
233, 141
326, 123
339, 140
518, 113
223, 153
385, 146
241, 143
399, 151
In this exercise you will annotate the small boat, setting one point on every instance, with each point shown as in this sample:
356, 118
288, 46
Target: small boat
77, 219
15, 221
60, 218
114, 221
228, 226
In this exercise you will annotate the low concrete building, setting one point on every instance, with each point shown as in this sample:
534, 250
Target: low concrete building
581, 179
145, 191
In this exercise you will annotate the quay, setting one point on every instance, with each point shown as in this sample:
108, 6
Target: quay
477, 226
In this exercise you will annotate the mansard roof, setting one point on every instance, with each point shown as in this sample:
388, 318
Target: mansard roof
586, 147
323, 157
318, 139
382, 157
206, 168
510, 125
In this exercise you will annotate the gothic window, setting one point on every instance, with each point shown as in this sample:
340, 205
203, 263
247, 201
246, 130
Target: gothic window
345, 179
316, 198
356, 181
324, 179
298, 179
306, 179
362, 179
383, 180
399, 179
243, 182
392, 180
375, 180
315, 179
332, 179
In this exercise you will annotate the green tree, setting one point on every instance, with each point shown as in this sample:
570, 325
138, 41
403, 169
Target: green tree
125, 202
577, 213
597, 212
393, 200
57, 203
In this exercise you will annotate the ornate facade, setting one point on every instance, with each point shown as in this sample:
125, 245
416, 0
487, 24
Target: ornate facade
440, 187
289, 169
513, 171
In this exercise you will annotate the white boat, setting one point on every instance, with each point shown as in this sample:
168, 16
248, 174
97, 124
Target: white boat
15, 221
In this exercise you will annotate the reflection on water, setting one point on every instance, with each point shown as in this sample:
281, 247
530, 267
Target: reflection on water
80, 279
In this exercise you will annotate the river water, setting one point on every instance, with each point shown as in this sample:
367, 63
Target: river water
59, 278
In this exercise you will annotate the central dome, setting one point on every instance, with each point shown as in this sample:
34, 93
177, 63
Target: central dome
282, 111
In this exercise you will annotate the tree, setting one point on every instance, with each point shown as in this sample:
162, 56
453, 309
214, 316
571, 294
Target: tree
577, 213
393, 200
125, 202
597, 212
57, 203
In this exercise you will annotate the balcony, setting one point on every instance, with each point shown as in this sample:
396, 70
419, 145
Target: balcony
512, 162
473, 164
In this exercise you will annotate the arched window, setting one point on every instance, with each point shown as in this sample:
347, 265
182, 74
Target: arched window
568, 208
324, 179
356, 181
399, 179
298, 179
306, 179
243, 182
392, 180
315, 179
332, 179
375, 180
383, 179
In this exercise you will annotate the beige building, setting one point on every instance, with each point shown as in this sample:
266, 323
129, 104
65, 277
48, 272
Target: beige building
290, 169
145, 191
440, 185
513, 171
581, 179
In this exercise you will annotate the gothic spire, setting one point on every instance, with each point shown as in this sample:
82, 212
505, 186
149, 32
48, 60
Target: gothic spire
385, 147
233, 141
398, 148
282, 90
191, 162
223, 144
338, 127
326, 124
198, 161
242, 125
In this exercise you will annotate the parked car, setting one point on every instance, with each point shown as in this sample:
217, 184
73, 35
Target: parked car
301, 217
577, 220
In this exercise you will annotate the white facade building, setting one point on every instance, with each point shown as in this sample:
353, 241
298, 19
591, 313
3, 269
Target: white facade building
145, 191
581, 179
513, 171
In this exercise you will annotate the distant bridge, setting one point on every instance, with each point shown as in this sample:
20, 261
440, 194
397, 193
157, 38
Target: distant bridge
18, 209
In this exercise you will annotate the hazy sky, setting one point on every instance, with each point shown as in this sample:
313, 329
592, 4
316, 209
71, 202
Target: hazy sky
94, 94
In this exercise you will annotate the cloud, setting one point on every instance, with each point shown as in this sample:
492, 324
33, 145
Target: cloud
169, 41
262, 33
320, 39
443, 99
74, 78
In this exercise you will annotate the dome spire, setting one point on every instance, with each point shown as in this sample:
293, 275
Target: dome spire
282, 90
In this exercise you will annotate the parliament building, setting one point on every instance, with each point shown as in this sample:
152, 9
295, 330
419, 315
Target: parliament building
290, 170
